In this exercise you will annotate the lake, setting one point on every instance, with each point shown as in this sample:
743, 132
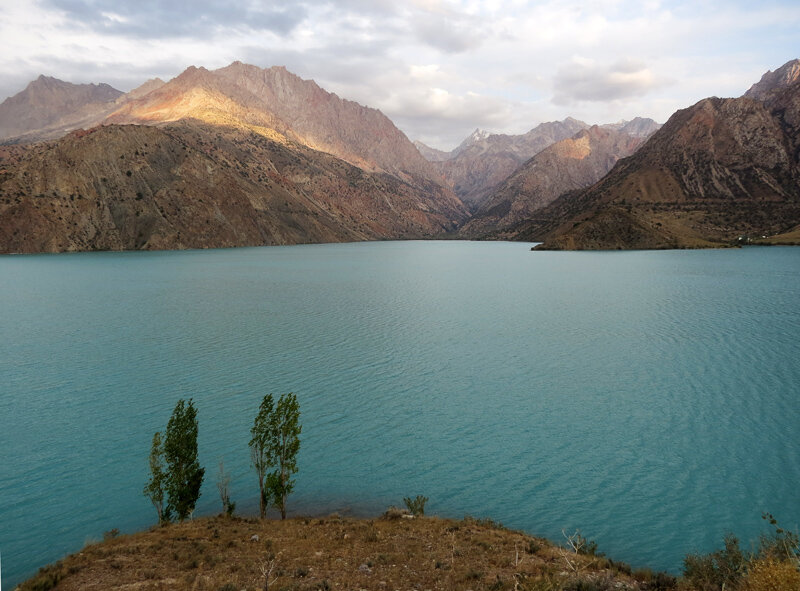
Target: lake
649, 399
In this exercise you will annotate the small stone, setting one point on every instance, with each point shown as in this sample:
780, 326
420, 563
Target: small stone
254, 538
365, 569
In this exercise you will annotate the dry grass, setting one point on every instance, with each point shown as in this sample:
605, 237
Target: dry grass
330, 553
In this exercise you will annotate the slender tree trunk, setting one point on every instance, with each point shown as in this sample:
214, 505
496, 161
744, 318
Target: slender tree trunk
283, 493
262, 508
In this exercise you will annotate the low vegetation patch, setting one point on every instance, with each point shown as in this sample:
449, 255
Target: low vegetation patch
328, 553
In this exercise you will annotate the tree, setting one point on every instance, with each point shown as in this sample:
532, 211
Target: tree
223, 486
259, 450
275, 443
154, 489
184, 474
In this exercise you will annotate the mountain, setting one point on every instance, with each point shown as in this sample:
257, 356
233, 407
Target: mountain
49, 108
724, 171
193, 185
230, 157
641, 127
431, 154
140, 91
485, 160
783, 77
570, 164
275, 100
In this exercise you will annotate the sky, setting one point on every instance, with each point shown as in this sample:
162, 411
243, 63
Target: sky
438, 68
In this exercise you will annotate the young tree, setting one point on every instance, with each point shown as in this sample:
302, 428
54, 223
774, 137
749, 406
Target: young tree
286, 429
184, 474
154, 489
259, 449
275, 443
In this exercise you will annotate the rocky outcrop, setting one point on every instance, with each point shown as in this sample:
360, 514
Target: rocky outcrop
191, 185
49, 108
783, 77
568, 165
717, 173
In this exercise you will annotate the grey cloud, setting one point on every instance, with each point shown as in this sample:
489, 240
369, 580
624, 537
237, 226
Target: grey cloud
625, 79
153, 19
451, 33
344, 63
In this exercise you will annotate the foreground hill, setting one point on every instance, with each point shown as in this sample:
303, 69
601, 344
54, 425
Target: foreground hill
334, 553
722, 172
191, 185
570, 164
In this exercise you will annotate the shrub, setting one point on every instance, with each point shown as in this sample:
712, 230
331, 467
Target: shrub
110, 534
781, 545
417, 505
718, 570
769, 574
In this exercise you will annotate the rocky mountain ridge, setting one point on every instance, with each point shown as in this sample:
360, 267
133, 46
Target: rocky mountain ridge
49, 108
478, 167
722, 172
275, 100
483, 161
568, 165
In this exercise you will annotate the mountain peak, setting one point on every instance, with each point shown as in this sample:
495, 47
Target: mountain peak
787, 74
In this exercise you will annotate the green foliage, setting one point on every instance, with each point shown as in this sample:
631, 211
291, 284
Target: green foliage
274, 444
722, 569
154, 489
184, 475
417, 505
259, 449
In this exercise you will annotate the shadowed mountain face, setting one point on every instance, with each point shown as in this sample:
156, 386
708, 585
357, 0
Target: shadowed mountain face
483, 161
49, 108
721, 170
194, 186
567, 165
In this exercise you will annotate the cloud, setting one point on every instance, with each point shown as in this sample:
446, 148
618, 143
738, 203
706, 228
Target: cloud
450, 32
157, 19
589, 82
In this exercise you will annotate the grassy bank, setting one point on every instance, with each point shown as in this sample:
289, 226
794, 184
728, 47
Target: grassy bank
392, 552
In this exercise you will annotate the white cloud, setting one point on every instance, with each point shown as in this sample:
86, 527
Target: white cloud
584, 80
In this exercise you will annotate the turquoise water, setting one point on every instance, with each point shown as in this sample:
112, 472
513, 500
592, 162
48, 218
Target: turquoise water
647, 398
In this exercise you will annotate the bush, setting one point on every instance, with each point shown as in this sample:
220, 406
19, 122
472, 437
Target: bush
417, 505
769, 574
718, 570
